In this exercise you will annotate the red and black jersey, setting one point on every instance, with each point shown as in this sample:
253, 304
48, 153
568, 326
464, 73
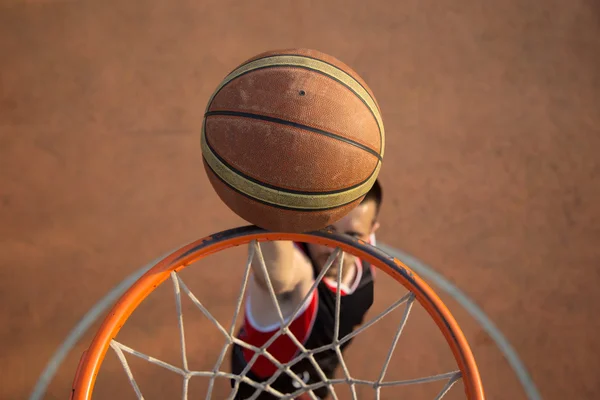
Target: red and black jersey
314, 327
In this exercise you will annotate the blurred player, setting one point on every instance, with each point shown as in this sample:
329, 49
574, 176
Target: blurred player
292, 269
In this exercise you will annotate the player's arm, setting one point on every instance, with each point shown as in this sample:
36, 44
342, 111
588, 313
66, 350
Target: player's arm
290, 274
284, 265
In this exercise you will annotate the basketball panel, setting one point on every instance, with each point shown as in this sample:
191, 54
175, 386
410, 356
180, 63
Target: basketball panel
319, 56
304, 97
287, 157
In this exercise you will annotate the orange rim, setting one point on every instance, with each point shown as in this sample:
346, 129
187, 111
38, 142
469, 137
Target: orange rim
92, 358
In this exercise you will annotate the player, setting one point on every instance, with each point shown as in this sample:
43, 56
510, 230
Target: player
292, 268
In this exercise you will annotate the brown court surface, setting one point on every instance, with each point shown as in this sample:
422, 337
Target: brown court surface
491, 175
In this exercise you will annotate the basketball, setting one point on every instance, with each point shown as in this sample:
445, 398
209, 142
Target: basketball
292, 140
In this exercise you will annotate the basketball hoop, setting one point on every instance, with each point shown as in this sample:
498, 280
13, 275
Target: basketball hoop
169, 267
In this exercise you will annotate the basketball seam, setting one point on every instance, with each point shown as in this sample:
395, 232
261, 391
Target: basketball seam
379, 126
270, 186
276, 205
295, 125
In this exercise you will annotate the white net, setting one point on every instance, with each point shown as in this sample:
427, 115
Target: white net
229, 334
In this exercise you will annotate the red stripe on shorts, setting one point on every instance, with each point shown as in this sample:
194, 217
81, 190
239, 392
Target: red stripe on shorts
283, 349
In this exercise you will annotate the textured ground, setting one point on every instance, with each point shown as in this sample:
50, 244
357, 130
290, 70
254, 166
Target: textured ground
492, 173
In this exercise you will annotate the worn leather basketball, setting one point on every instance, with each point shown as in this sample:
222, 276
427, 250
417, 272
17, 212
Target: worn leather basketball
292, 140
